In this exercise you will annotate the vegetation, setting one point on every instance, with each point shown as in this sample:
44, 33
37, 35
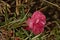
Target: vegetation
14, 13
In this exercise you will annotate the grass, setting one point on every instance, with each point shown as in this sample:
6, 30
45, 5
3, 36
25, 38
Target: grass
12, 22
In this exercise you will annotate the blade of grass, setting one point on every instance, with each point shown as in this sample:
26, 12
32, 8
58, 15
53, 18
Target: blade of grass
6, 15
36, 36
15, 21
29, 36
25, 31
52, 4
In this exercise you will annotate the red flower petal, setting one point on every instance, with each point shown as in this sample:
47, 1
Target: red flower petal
27, 28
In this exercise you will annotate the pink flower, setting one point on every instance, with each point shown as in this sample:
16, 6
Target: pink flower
36, 23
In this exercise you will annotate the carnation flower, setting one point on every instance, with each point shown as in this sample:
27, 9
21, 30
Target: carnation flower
36, 23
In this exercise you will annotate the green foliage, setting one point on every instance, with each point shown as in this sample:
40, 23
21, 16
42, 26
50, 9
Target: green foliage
51, 10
